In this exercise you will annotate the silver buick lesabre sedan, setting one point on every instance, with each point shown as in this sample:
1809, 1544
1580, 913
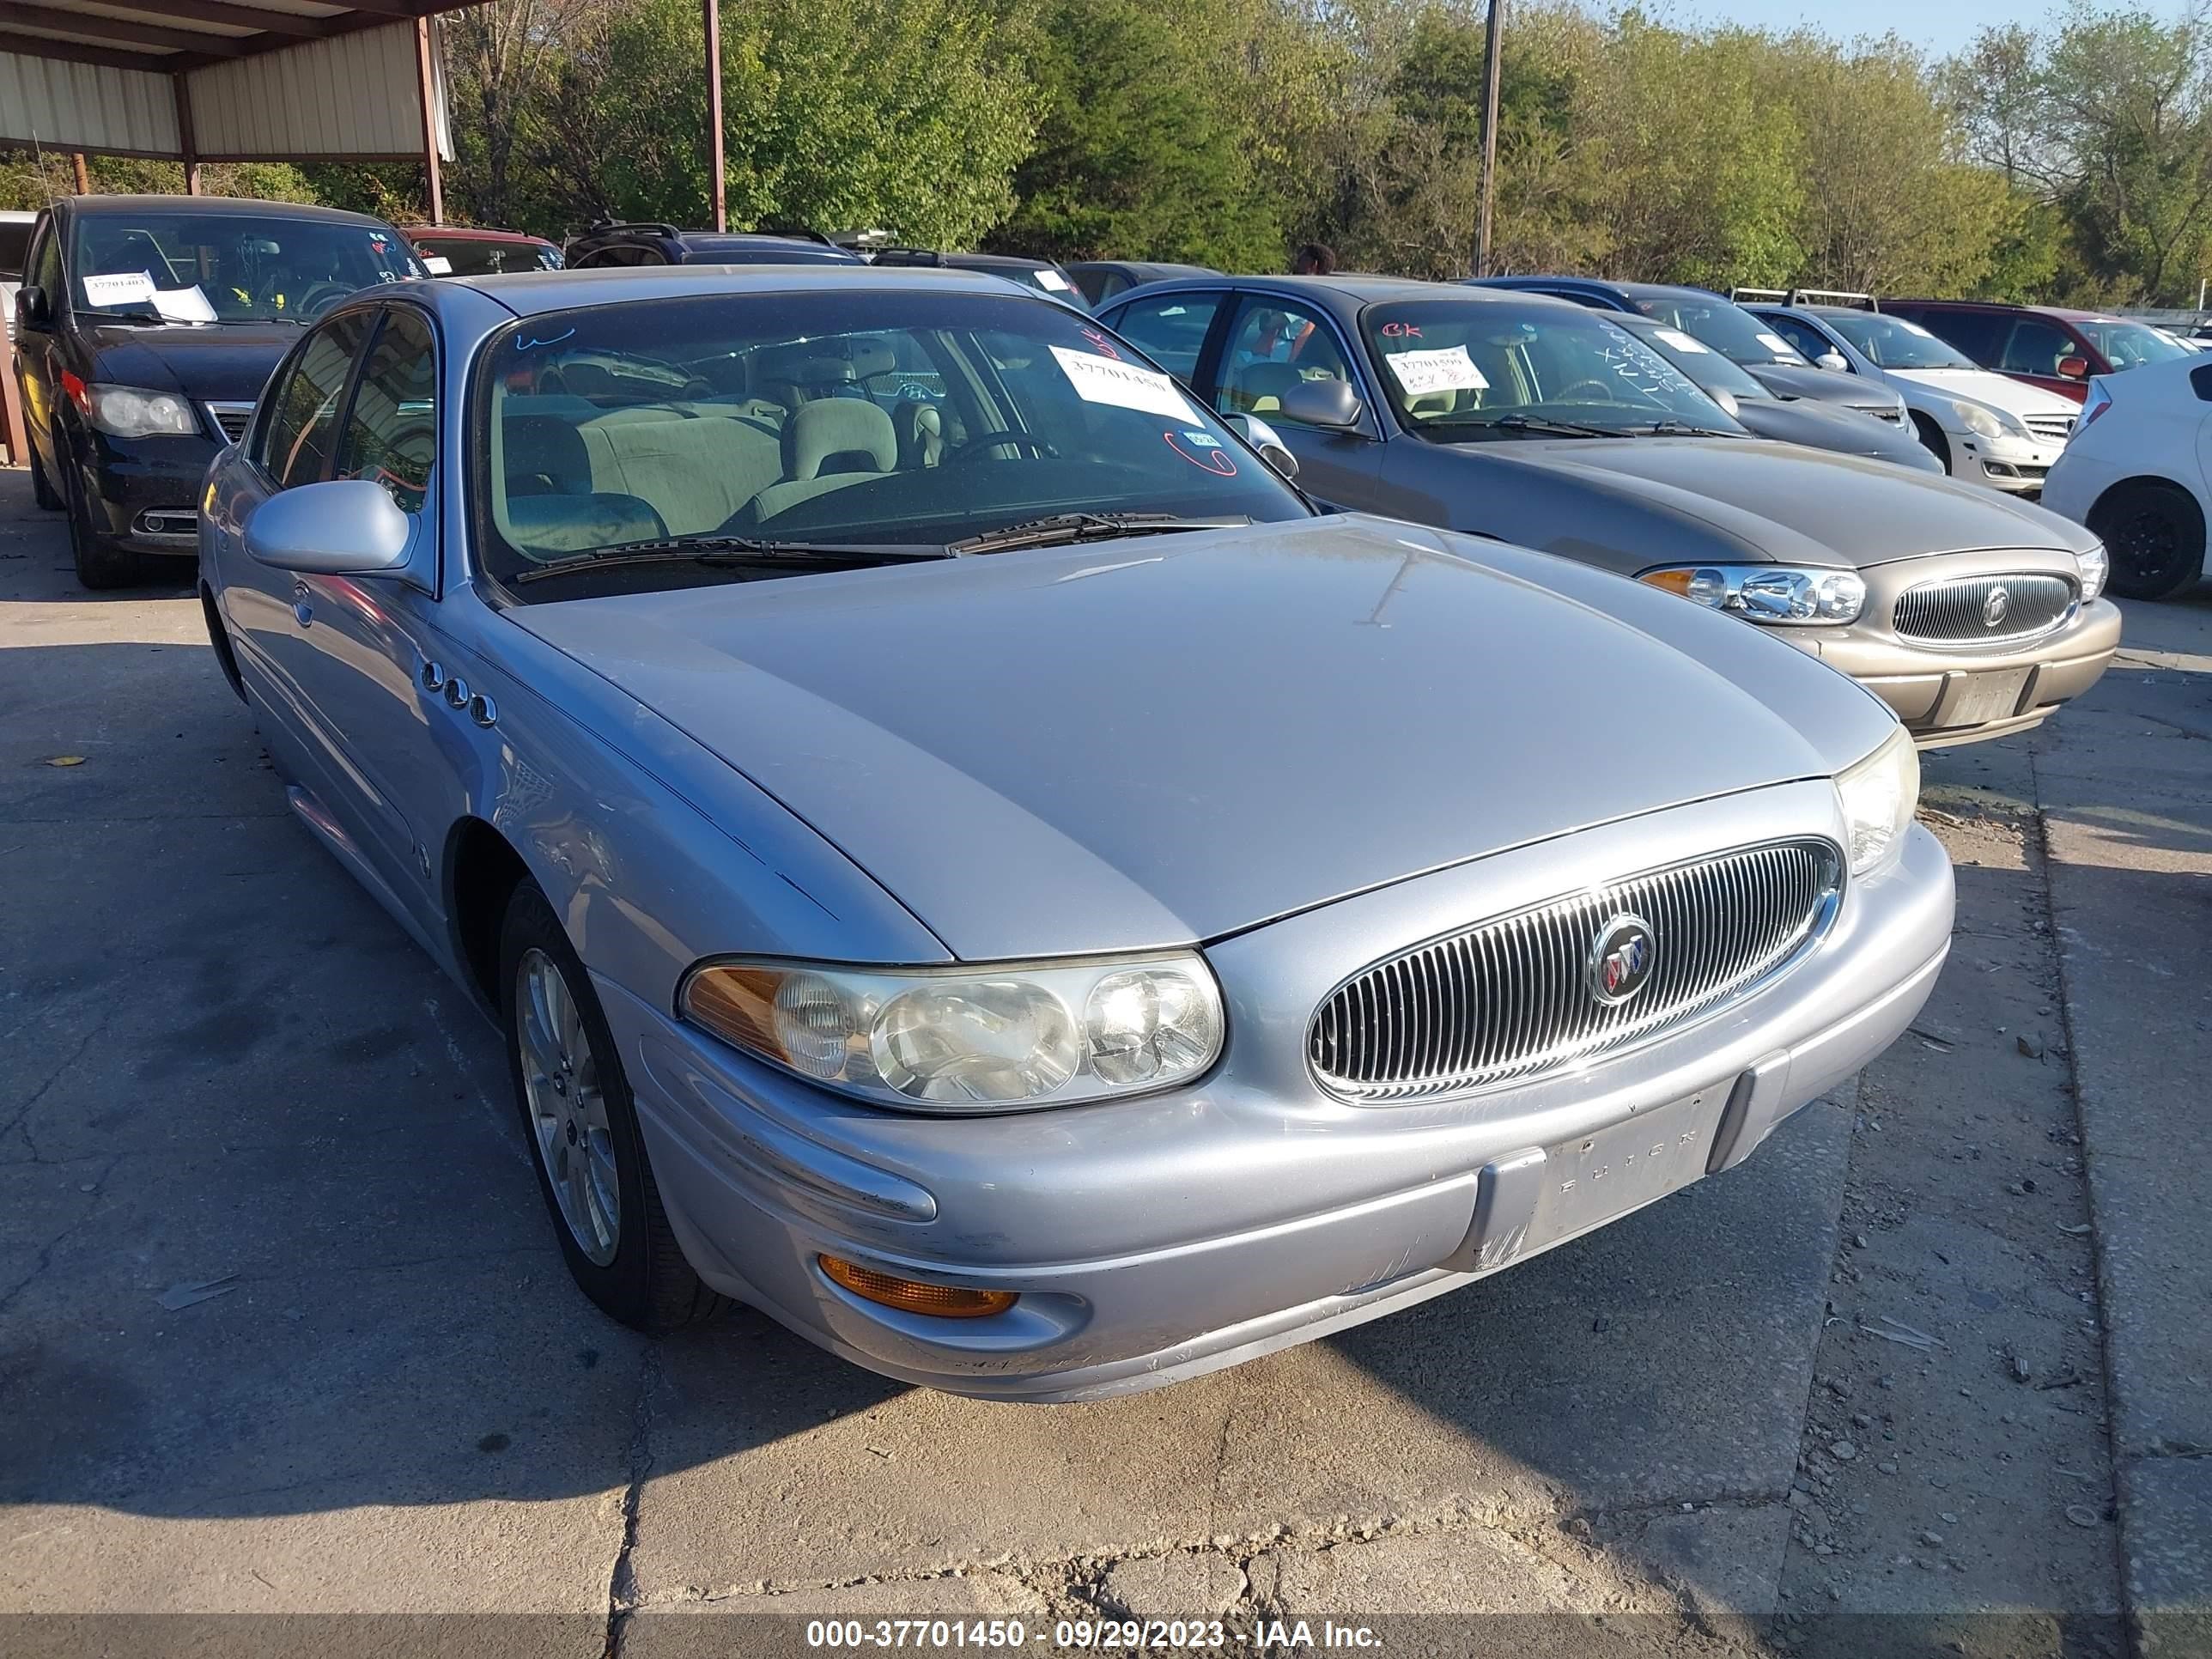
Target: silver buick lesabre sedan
969, 862
1542, 423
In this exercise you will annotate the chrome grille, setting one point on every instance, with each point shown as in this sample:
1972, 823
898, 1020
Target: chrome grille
1966, 610
1509, 998
231, 419
2059, 428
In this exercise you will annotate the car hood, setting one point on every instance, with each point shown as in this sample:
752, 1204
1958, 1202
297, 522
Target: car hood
1985, 387
1775, 501
1152, 741
1826, 386
221, 362
1836, 427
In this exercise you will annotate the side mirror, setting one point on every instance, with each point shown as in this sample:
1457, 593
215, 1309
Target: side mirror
33, 309
1726, 399
343, 527
2073, 369
1269, 442
1834, 360
1328, 404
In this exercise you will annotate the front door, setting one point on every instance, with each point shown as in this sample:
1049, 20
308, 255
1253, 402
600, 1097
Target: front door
1273, 344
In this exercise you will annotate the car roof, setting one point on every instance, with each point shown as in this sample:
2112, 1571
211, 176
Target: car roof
471, 234
2069, 312
241, 207
530, 292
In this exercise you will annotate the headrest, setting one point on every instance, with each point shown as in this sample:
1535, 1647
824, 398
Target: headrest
1267, 380
837, 426
872, 358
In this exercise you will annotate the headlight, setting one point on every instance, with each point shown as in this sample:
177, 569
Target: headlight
129, 412
1977, 419
2094, 568
970, 1039
1878, 796
1768, 592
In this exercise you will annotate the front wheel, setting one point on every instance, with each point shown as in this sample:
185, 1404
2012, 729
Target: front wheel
583, 1130
2154, 533
1932, 439
99, 566
42, 487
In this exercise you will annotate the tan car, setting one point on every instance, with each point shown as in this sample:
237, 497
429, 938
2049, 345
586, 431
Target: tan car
1534, 421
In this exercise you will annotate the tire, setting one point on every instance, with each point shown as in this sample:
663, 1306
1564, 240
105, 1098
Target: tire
1932, 439
582, 1128
2154, 534
42, 487
97, 566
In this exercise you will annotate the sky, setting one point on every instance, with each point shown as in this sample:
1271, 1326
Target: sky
1940, 27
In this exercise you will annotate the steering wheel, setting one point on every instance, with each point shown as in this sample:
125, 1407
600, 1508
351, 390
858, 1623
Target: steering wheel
1035, 446
1604, 392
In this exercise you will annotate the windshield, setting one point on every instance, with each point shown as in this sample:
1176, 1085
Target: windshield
1893, 343
15, 242
226, 267
1457, 370
787, 418
2131, 345
1728, 329
465, 256
1712, 372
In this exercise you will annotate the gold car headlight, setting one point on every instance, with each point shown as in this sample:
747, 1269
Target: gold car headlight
1767, 592
970, 1039
1878, 796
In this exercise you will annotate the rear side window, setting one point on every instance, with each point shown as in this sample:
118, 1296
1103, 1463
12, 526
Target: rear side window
302, 428
1170, 328
391, 429
1979, 334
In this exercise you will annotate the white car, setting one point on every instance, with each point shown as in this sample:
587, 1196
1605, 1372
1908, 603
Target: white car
15, 239
2139, 473
1984, 428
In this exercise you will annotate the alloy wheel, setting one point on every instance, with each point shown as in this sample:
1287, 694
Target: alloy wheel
567, 1107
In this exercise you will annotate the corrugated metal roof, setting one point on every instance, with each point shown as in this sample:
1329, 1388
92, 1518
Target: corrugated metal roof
268, 79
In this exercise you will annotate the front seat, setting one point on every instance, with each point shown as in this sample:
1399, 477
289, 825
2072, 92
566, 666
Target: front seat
1260, 386
829, 444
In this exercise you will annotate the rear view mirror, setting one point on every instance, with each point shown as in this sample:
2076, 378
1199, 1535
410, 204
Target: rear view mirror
1328, 404
2074, 368
33, 309
341, 527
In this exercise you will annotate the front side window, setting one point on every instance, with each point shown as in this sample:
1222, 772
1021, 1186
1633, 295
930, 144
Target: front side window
1169, 328
14, 245
1275, 345
226, 267
1893, 343
390, 432
2036, 347
1461, 370
301, 428
1807, 340
775, 416
1726, 328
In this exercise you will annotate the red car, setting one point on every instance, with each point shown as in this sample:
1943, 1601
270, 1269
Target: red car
469, 251
2049, 346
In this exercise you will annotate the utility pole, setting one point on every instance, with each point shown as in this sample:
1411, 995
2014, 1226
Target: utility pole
714, 111
84, 178
426, 85
1489, 185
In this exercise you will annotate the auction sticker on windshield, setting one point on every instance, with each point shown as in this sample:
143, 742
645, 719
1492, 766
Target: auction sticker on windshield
1681, 341
1447, 369
120, 289
1774, 342
1101, 381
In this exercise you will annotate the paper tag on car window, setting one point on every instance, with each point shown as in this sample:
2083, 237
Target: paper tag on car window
437, 264
184, 304
1446, 369
1680, 341
1776, 344
119, 289
1052, 280
1103, 380
1912, 328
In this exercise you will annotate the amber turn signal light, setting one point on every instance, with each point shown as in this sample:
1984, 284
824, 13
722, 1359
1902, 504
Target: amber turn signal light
912, 1296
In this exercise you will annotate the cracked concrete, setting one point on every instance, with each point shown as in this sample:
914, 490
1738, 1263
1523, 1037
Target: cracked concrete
402, 1406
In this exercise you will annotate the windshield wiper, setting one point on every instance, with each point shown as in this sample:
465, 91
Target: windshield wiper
1683, 429
728, 552
1542, 426
1061, 527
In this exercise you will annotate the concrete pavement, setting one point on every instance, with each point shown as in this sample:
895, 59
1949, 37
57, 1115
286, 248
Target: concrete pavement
224, 1068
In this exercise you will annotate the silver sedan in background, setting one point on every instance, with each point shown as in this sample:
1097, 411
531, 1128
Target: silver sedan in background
969, 862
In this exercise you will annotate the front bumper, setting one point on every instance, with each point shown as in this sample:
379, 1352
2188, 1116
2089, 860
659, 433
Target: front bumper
144, 493
1155, 1238
2015, 464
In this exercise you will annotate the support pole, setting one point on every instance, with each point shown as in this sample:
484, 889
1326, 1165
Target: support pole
84, 178
1489, 137
186, 146
714, 111
426, 80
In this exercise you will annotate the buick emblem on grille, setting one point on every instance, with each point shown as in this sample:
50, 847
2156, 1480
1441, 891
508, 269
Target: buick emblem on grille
1620, 959
1995, 606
